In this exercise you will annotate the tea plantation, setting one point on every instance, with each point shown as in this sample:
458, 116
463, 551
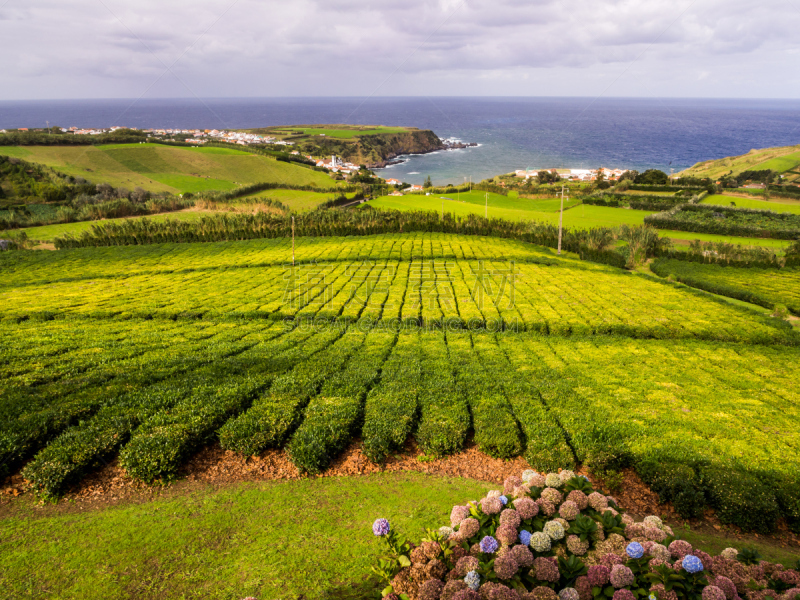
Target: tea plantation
150, 352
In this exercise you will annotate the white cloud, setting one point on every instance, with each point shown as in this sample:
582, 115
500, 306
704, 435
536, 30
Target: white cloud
108, 48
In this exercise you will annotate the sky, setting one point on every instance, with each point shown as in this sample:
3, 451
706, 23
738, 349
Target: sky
62, 49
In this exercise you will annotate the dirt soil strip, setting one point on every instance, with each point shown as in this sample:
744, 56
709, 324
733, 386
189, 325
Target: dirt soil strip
219, 468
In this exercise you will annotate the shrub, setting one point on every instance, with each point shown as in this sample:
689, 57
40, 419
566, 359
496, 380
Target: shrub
741, 499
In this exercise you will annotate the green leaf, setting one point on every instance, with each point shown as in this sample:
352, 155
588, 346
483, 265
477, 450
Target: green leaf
403, 560
609, 591
387, 590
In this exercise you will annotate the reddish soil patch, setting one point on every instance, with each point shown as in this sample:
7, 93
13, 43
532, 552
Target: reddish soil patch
215, 467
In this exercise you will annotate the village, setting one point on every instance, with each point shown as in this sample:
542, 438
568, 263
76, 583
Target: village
574, 174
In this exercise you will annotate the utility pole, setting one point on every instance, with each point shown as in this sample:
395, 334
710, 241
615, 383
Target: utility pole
671, 169
293, 240
561, 214
48, 128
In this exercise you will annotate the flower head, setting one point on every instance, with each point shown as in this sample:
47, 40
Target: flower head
680, 548
553, 480
510, 517
466, 564
522, 555
524, 537
489, 545
692, 564
569, 510
503, 499
431, 589
506, 566
729, 553
568, 594
634, 550
381, 527
458, 514
726, 585
468, 528
473, 580
506, 534
526, 508
552, 495
654, 521
566, 475
540, 542
712, 592
579, 498
576, 546
554, 530
621, 576
491, 505
599, 575
546, 569
528, 474
598, 502
511, 483
623, 595
446, 532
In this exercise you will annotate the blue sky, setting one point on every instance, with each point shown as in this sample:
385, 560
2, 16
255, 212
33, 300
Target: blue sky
239, 48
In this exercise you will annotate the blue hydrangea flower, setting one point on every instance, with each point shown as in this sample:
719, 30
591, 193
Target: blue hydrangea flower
473, 580
381, 527
585, 477
524, 537
489, 545
692, 564
652, 597
635, 550
504, 500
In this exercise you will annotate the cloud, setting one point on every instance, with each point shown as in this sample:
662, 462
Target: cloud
85, 48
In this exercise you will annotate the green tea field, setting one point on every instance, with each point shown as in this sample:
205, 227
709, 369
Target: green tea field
149, 353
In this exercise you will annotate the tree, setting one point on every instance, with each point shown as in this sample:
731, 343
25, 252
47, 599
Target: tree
652, 177
427, 183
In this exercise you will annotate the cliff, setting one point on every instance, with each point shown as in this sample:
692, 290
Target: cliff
375, 150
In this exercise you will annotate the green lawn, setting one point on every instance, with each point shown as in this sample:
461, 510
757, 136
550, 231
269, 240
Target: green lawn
174, 169
269, 540
341, 133
582, 216
781, 164
776, 205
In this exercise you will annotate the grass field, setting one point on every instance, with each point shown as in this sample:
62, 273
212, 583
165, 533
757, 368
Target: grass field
776, 205
582, 216
296, 200
160, 168
216, 543
149, 352
777, 159
345, 132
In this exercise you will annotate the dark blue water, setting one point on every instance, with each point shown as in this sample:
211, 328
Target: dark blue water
514, 133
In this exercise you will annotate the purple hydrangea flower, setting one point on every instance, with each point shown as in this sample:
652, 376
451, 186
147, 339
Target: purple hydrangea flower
489, 545
635, 550
692, 564
381, 527
524, 537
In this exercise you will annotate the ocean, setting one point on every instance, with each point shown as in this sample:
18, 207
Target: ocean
512, 133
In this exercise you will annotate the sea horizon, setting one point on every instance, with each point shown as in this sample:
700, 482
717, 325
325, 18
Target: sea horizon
513, 132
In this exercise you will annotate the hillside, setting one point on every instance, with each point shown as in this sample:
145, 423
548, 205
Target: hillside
784, 160
364, 145
161, 168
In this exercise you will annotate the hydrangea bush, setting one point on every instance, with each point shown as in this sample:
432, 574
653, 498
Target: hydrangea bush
553, 537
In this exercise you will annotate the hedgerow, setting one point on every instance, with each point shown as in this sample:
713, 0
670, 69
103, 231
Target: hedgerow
391, 409
496, 430
275, 415
725, 220
444, 415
